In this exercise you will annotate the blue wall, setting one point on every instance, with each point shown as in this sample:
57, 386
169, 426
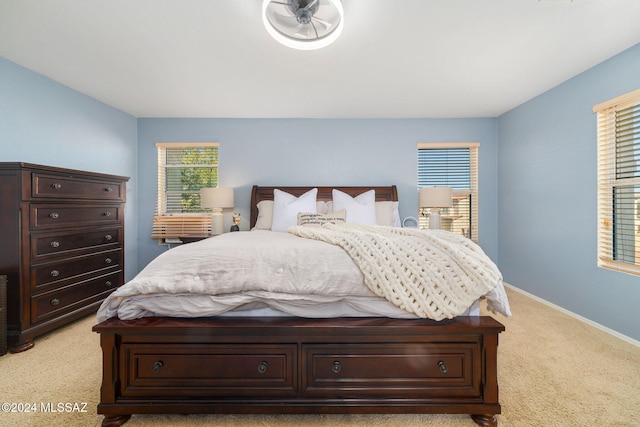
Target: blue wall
46, 123
318, 152
537, 215
547, 204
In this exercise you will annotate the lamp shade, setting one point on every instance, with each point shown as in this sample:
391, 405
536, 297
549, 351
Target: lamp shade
435, 197
220, 198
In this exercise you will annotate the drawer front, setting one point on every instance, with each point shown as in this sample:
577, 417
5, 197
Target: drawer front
52, 216
55, 243
206, 370
65, 300
418, 369
65, 187
76, 268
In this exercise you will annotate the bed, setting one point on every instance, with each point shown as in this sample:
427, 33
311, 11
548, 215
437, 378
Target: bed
266, 360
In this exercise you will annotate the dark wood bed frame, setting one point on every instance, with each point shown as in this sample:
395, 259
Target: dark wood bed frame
294, 365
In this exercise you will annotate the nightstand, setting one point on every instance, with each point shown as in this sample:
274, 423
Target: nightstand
194, 237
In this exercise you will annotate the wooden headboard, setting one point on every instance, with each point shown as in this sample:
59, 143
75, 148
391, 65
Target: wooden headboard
259, 193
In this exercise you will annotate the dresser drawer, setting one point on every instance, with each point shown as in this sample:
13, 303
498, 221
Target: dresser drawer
59, 272
73, 297
403, 369
49, 216
229, 370
66, 187
52, 243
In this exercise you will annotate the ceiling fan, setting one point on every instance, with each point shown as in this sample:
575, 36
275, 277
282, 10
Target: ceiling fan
303, 24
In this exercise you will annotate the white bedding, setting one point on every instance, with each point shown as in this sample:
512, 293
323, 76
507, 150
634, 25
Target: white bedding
251, 270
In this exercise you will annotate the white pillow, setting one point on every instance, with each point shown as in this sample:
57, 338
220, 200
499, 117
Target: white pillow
360, 209
287, 206
265, 213
387, 214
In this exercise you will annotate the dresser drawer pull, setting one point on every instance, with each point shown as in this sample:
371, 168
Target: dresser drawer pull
262, 367
108, 283
107, 214
56, 186
108, 261
108, 237
336, 367
155, 368
54, 215
55, 273
55, 301
55, 244
443, 367
108, 189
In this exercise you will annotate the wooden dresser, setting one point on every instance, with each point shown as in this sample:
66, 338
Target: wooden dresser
61, 245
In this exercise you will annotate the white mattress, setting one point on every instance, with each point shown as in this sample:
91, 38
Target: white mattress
474, 310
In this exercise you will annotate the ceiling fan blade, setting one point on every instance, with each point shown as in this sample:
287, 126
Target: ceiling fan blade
284, 21
305, 32
311, 4
278, 7
322, 22
314, 28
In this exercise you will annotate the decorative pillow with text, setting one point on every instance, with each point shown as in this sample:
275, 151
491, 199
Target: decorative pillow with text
318, 220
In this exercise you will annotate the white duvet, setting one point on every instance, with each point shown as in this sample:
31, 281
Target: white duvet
251, 270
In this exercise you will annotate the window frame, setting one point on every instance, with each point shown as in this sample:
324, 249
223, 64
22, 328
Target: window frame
172, 225
162, 199
609, 182
472, 192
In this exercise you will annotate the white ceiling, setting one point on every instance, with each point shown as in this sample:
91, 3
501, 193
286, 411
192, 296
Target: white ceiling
409, 58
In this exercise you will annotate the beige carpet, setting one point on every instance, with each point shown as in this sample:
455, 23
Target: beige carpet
554, 370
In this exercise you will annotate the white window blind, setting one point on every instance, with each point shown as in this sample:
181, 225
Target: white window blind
183, 169
452, 165
618, 122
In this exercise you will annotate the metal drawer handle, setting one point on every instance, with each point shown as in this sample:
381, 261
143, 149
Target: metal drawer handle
108, 261
108, 283
262, 367
108, 237
55, 301
55, 273
157, 366
54, 215
55, 244
443, 367
107, 214
56, 186
108, 189
336, 367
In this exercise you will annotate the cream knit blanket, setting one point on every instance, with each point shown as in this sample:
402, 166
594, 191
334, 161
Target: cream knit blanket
432, 273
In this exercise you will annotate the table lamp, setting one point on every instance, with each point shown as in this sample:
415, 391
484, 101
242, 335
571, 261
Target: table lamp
435, 198
216, 199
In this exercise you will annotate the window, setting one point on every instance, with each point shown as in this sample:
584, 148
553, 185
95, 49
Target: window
452, 165
183, 169
618, 122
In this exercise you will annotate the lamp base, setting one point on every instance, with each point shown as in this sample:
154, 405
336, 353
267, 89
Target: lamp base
217, 226
434, 219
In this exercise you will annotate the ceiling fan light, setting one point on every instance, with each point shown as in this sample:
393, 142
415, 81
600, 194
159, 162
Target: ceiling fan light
301, 29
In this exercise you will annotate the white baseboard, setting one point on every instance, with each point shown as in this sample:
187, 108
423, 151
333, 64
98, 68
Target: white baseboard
577, 316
